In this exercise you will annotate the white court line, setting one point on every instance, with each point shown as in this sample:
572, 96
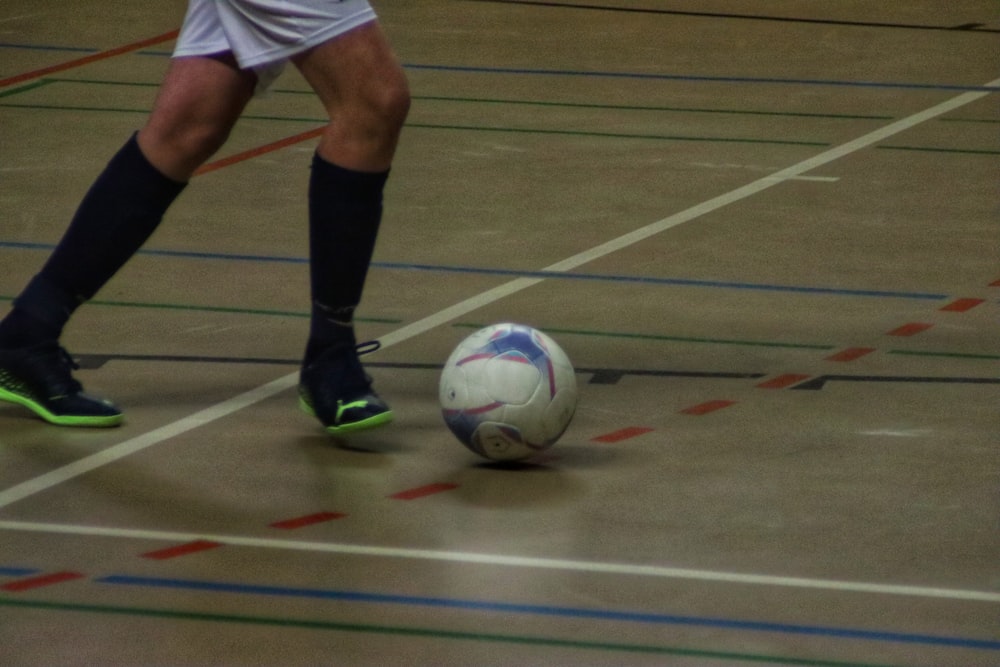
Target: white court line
247, 399
511, 561
819, 179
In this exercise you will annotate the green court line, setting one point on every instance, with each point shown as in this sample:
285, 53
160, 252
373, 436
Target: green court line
427, 633
61, 107
26, 88
65, 107
541, 103
218, 309
628, 107
207, 309
614, 135
509, 130
104, 82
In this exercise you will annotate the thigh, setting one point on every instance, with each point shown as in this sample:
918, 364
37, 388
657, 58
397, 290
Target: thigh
365, 93
357, 69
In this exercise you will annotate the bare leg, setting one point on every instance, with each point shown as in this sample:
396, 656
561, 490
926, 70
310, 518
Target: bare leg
364, 91
199, 103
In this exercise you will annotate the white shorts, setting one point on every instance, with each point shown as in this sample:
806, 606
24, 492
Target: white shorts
264, 34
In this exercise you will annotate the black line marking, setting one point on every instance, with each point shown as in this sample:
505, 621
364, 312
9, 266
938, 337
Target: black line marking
615, 375
820, 382
95, 361
966, 27
598, 376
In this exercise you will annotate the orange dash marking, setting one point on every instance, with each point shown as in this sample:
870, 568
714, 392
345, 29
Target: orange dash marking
962, 305
622, 434
311, 519
911, 329
782, 381
705, 408
422, 491
182, 550
40, 581
851, 353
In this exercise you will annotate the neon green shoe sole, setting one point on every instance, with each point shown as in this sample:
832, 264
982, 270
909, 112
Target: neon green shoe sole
110, 419
40, 379
353, 426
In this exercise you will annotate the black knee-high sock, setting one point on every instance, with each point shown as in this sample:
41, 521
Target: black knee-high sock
345, 209
118, 214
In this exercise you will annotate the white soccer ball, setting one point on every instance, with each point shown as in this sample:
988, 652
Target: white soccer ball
507, 392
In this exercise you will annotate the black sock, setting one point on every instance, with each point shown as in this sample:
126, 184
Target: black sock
345, 209
118, 214
42, 320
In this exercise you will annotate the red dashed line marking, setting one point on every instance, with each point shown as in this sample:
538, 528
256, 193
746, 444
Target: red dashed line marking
309, 520
423, 491
705, 408
622, 434
40, 581
850, 354
782, 381
911, 329
995, 283
962, 305
182, 550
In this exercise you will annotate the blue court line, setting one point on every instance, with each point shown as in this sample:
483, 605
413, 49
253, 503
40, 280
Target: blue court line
514, 273
681, 282
17, 571
545, 610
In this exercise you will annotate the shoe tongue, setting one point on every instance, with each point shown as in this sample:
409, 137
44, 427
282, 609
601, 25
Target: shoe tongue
367, 347
56, 366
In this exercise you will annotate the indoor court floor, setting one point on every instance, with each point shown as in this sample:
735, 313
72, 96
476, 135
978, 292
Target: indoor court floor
767, 234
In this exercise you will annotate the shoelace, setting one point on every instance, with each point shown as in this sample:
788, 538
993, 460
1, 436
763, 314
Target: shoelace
367, 347
55, 366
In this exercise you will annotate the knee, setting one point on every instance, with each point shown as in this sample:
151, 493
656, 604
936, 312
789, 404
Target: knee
178, 149
391, 103
374, 119
195, 141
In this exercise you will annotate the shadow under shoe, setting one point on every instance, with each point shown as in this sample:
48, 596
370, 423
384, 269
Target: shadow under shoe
40, 378
335, 389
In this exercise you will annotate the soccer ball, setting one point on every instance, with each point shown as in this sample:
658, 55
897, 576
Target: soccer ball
508, 392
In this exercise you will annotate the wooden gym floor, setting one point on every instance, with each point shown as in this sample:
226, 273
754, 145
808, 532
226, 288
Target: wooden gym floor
766, 233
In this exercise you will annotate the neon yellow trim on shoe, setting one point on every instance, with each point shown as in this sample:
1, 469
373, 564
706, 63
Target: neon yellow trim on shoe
374, 421
92, 421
